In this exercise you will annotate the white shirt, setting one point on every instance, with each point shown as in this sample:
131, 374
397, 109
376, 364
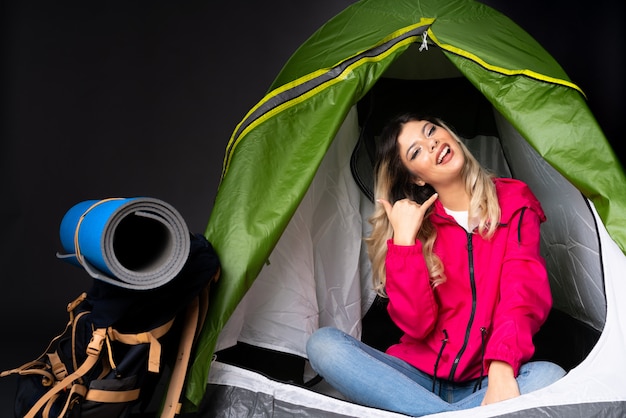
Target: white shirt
461, 217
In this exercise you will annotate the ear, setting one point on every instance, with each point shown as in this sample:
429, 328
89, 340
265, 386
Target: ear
419, 182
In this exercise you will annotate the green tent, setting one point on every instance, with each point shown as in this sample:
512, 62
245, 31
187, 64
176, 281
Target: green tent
276, 150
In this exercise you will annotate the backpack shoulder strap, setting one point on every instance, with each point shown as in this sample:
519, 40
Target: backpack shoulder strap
194, 320
149, 337
172, 403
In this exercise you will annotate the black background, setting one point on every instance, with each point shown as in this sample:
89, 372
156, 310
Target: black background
107, 99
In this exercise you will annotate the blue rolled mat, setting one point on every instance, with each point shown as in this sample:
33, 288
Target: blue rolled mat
136, 243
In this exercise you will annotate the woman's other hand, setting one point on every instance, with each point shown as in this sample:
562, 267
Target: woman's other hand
502, 384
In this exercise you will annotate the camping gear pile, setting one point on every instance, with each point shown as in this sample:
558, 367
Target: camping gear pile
127, 343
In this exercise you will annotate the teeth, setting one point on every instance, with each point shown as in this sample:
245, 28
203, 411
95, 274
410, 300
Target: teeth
443, 153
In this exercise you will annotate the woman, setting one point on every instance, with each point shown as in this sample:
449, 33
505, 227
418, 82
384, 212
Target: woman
456, 251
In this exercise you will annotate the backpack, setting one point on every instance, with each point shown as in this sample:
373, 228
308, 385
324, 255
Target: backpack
109, 360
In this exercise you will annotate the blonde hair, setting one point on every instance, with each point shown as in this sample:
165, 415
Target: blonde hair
393, 182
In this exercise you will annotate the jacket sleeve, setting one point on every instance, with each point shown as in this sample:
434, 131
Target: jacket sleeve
412, 305
525, 297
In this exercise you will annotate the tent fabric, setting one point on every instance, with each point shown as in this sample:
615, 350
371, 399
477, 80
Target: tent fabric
275, 152
329, 284
260, 396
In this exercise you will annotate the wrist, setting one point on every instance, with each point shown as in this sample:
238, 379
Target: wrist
399, 239
403, 243
500, 370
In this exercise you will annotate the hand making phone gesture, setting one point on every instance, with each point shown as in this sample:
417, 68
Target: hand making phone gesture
405, 217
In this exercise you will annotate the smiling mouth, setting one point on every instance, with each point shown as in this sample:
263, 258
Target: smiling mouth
444, 151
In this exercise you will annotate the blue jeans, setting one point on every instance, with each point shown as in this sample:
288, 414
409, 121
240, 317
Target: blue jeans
372, 378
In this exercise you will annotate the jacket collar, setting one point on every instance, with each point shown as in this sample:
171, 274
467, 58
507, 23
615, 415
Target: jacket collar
513, 196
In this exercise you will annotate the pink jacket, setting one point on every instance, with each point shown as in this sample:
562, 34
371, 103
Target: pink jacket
496, 296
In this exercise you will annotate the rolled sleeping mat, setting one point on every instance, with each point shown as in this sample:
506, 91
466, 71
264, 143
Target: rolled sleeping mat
136, 243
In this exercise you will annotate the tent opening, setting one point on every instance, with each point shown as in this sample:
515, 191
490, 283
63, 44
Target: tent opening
429, 84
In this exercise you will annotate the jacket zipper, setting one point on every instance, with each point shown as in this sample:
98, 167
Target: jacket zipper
470, 256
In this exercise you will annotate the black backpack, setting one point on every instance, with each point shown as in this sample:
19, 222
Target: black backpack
109, 361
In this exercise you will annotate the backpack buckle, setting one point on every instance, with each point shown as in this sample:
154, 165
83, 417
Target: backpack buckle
97, 340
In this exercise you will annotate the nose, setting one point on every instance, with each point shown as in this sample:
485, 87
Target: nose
433, 144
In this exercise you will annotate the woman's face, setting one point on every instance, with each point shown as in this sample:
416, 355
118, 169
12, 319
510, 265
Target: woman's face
430, 153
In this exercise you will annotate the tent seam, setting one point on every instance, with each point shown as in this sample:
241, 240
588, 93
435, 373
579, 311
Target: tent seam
397, 39
502, 70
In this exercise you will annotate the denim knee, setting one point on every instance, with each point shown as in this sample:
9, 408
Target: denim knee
319, 346
538, 374
551, 371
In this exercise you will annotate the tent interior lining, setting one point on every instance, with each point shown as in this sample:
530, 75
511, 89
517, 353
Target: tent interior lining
261, 338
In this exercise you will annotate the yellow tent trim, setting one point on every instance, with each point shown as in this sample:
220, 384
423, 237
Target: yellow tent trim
234, 141
506, 71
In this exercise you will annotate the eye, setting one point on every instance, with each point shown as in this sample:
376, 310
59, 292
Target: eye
431, 130
415, 153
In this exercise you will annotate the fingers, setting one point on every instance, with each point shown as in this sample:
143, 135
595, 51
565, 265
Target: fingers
405, 217
428, 203
386, 205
